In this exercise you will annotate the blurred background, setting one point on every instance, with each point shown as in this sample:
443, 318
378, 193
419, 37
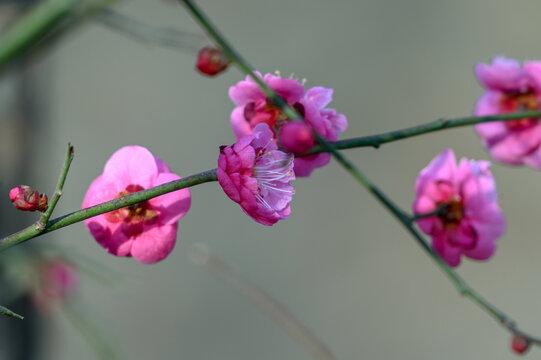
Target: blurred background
340, 263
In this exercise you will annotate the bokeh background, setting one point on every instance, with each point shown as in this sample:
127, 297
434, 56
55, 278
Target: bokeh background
340, 263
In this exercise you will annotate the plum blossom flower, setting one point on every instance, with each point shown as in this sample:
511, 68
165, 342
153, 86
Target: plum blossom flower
257, 176
469, 219
510, 88
253, 107
56, 280
148, 230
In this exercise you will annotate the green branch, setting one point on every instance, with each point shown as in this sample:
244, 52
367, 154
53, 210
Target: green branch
42, 21
58, 192
131, 199
7, 312
441, 124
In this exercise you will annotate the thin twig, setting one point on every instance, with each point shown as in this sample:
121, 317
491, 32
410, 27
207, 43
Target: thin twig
201, 255
43, 21
440, 124
141, 31
7, 312
58, 192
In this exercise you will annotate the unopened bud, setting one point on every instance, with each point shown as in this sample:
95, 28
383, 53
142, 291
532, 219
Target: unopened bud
24, 198
520, 343
211, 61
296, 137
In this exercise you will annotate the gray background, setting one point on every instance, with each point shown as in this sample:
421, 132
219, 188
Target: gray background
340, 263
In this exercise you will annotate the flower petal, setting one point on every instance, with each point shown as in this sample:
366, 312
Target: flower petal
131, 165
174, 205
155, 243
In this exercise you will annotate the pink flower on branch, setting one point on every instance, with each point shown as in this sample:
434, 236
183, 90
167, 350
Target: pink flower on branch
147, 231
510, 88
469, 219
257, 176
254, 108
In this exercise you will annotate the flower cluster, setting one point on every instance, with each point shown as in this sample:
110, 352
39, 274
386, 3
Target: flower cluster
468, 219
510, 88
455, 204
253, 107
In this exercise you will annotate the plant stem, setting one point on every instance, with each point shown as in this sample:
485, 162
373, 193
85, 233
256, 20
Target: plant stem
236, 58
32, 26
406, 221
440, 124
43, 24
131, 199
401, 216
141, 31
58, 192
7, 312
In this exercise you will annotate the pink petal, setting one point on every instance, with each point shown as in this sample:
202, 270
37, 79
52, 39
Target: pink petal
442, 167
239, 125
154, 243
291, 90
502, 74
131, 165
162, 166
174, 205
320, 96
451, 255
488, 104
423, 205
533, 69
305, 165
110, 237
533, 160
101, 190
245, 92
227, 185
516, 145
264, 137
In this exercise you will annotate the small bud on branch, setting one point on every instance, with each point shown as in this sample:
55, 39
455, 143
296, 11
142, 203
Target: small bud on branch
25, 198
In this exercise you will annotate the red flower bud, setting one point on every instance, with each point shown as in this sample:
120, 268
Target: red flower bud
296, 137
24, 198
211, 61
520, 344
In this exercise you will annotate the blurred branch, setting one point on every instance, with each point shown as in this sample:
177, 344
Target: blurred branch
140, 31
201, 255
98, 339
44, 20
7, 312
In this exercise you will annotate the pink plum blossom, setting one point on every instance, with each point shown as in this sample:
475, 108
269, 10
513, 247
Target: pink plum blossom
510, 88
147, 231
253, 107
257, 176
56, 280
469, 219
